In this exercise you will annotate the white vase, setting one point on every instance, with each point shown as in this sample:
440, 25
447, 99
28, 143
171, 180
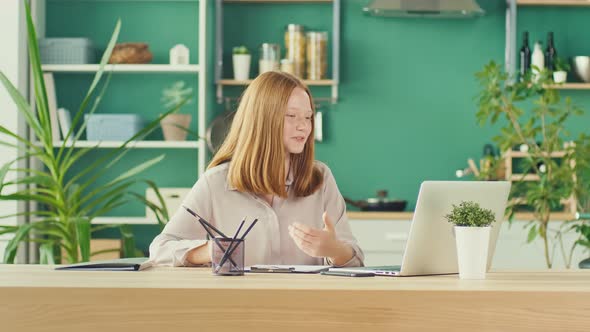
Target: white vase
241, 63
472, 251
559, 76
537, 60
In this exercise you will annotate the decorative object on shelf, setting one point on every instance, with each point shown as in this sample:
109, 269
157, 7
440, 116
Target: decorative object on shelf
112, 127
295, 48
317, 55
66, 51
131, 53
287, 66
65, 122
69, 207
179, 55
491, 166
561, 69
537, 61
547, 118
270, 55
582, 67
381, 203
175, 127
472, 235
241, 59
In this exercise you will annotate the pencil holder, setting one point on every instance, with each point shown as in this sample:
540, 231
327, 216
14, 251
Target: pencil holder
229, 259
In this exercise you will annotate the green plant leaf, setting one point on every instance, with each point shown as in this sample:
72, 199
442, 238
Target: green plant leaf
532, 234
83, 234
46, 254
128, 241
12, 245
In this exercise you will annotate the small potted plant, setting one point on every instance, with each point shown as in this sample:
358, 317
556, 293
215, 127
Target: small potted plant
561, 69
241, 63
472, 235
175, 126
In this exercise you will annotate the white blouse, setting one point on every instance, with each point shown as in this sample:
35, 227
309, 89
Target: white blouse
216, 201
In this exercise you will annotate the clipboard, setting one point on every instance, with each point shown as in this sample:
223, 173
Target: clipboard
260, 268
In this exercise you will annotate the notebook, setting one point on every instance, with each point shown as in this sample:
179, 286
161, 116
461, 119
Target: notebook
286, 268
123, 264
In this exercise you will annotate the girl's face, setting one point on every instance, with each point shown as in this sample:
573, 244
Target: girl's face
297, 121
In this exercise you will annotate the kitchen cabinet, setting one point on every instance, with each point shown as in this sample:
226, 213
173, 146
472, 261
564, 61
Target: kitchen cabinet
383, 241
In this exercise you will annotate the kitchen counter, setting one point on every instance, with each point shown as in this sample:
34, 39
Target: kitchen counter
408, 215
37, 298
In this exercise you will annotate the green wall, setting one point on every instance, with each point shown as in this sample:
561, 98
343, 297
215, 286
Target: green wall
407, 92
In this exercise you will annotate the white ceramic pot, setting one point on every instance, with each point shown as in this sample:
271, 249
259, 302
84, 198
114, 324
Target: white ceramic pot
241, 63
472, 251
559, 76
174, 126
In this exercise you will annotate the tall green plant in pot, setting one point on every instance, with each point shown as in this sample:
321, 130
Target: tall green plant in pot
532, 113
66, 203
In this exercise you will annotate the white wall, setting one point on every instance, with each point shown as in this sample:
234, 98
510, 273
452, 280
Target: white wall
13, 63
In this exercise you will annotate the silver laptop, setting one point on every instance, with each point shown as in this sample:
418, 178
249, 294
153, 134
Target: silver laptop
431, 247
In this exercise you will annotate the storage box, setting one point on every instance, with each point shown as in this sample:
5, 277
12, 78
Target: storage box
66, 51
112, 127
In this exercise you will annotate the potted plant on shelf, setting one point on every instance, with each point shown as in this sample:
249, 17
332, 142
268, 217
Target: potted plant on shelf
533, 114
561, 69
175, 126
241, 59
67, 201
472, 235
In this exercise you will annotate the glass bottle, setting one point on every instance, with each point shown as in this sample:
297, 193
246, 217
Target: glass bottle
270, 55
295, 48
550, 53
317, 55
525, 56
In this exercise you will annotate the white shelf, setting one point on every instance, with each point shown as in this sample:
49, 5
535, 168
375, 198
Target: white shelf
123, 68
136, 144
123, 220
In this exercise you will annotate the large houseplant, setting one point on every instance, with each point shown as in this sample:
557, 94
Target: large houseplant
532, 113
67, 203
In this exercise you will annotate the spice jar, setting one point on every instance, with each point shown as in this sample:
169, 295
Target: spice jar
270, 55
287, 66
295, 48
317, 55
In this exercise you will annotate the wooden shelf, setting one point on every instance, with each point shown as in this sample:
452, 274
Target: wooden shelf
123, 68
307, 82
135, 144
525, 177
553, 2
520, 154
571, 86
406, 215
123, 220
278, 1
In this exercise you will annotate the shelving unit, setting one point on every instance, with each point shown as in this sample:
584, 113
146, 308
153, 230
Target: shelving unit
333, 82
124, 68
197, 71
135, 144
569, 204
511, 47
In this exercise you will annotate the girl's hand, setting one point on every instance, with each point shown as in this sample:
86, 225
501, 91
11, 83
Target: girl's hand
321, 242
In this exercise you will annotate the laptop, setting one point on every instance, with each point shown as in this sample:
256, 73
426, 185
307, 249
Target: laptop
430, 248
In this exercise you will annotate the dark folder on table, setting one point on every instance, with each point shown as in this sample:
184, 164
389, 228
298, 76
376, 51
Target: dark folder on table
123, 264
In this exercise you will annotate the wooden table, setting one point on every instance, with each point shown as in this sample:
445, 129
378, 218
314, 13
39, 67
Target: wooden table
37, 298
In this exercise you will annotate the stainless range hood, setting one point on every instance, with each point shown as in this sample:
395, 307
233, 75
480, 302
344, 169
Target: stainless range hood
424, 8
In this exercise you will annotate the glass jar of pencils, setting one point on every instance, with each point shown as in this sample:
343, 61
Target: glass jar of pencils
227, 256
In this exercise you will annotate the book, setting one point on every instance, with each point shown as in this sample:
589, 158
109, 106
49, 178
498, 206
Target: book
52, 105
65, 123
123, 264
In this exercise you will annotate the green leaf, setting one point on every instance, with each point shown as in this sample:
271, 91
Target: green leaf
46, 254
532, 234
12, 246
128, 241
83, 234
